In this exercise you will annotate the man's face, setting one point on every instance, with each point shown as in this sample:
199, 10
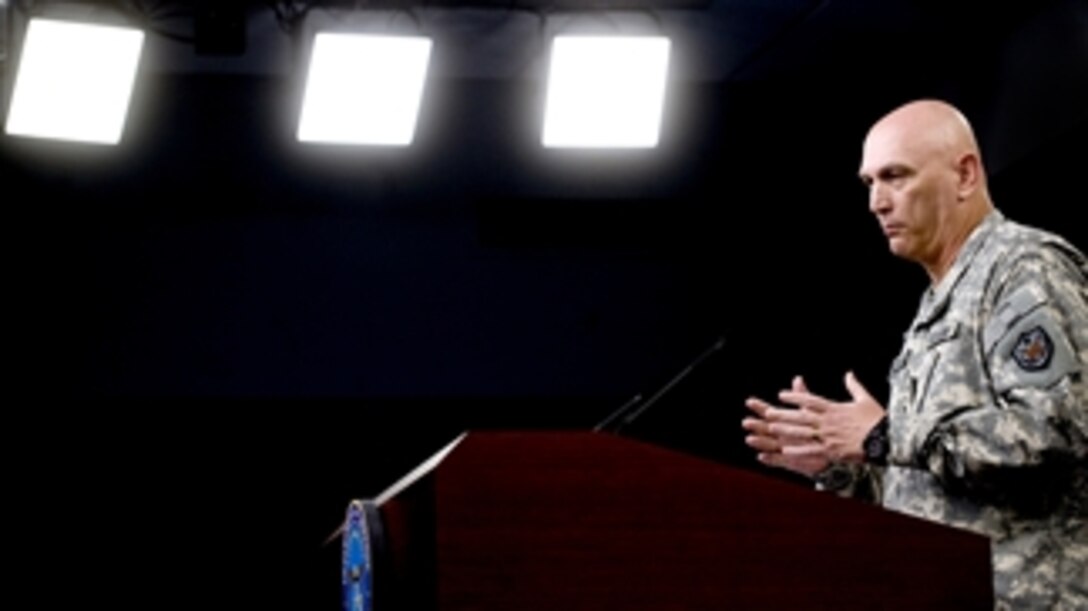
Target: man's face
911, 189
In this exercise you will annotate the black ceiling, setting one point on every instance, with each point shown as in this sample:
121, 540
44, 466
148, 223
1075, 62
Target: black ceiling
768, 102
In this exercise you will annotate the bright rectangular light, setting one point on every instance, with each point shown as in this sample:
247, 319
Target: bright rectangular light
606, 91
74, 81
364, 89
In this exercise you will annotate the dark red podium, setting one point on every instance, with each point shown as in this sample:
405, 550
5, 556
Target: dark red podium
518, 521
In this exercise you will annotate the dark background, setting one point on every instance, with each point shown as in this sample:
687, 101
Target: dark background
218, 336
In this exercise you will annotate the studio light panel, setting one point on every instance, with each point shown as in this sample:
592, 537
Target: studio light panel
74, 81
606, 91
364, 89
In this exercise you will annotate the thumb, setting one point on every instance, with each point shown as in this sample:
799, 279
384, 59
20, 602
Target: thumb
799, 384
857, 391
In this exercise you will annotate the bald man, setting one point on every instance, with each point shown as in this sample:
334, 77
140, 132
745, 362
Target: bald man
986, 426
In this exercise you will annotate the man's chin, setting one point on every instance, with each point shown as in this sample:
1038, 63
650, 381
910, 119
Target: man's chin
898, 247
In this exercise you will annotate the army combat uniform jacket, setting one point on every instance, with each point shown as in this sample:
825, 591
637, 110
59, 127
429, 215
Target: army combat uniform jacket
988, 412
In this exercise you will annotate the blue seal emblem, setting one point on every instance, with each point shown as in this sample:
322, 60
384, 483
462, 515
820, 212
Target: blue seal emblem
357, 570
1033, 349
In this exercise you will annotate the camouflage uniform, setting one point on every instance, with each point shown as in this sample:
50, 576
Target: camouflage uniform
988, 414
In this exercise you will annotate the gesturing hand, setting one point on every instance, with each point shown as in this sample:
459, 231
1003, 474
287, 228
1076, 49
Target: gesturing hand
831, 430
772, 442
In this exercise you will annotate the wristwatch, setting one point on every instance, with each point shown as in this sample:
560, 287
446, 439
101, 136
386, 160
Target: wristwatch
875, 445
835, 477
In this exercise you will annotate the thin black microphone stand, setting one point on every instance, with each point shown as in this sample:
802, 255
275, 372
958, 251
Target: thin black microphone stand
631, 410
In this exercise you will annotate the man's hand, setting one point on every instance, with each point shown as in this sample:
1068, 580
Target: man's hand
772, 443
832, 430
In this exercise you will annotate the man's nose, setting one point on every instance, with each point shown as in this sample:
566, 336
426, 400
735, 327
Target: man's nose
879, 201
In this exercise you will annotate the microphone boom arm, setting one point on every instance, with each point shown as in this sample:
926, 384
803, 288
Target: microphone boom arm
630, 411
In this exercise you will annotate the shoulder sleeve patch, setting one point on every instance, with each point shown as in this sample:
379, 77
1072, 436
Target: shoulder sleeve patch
1034, 352
1033, 349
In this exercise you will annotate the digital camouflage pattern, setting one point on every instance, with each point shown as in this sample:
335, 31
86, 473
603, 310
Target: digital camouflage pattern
988, 413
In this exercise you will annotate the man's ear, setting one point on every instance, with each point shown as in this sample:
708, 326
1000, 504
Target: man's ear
969, 175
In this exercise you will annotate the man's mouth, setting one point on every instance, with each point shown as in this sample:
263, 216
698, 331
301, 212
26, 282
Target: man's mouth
892, 229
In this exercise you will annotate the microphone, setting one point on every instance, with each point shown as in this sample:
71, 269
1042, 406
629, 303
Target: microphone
635, 407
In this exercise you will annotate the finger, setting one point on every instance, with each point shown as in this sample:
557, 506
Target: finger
799, 384
793, 431
805, 465
758, 406
773, 460
804, 451
792, 416
782, 461
805, 399
856, 389
755, 425
759, 428
763, 444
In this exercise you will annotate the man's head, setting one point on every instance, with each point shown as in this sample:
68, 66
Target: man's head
927, 185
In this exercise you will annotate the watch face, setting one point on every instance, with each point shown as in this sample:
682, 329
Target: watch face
357, 575
835, 477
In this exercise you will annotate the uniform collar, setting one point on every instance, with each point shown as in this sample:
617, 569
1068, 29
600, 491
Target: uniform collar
936, 298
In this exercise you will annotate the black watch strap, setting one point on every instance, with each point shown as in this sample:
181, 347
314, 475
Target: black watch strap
875, 445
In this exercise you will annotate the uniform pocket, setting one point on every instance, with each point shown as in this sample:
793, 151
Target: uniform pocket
939, 343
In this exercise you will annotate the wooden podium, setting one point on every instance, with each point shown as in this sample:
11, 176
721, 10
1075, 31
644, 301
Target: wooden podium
519, 521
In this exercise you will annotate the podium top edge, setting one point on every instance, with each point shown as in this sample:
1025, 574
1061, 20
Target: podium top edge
424, 468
